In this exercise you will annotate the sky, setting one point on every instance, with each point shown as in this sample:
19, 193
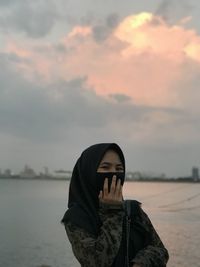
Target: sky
75, 73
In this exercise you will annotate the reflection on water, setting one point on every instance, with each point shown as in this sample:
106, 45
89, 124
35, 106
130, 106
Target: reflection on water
32, 236
175, 212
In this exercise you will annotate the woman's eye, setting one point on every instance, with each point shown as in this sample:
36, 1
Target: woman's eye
108, 167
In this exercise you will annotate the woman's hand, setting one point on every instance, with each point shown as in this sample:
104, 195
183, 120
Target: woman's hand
115, 194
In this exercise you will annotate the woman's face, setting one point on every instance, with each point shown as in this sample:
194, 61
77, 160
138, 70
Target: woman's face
110, 162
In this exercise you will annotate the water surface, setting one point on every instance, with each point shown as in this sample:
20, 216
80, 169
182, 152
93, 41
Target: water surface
31, 233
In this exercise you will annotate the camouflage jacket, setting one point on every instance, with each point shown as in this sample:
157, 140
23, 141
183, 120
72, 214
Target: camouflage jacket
101, 251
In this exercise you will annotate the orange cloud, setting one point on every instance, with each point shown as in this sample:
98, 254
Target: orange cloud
32, 62
78, 30
142, 58
144, 32
192, 50
12, 47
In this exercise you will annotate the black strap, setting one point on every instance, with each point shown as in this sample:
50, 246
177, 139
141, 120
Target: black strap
128, 220
128, 207
131, 209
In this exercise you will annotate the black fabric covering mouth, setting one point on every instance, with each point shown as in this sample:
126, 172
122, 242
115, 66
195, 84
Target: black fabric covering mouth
102, 175
83, 200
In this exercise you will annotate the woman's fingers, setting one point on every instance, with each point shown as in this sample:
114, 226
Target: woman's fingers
113, 185
105, 187
118, 188
115, 193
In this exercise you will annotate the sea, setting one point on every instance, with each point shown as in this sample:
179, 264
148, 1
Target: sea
31, 234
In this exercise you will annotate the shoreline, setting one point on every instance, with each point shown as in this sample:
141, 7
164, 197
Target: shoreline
68, 179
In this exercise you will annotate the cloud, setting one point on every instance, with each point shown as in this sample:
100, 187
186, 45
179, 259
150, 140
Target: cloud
120, 97
139, 58
6, 2
102, 32
48, 113
172, 10
34, 18
44, 113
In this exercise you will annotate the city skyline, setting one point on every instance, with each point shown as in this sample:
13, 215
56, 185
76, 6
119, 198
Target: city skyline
29, 172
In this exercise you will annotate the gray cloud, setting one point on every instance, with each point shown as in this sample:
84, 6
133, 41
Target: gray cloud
37, 18
173, 10
44, 125
43, 114
103, 31
120, 97
46, 114
112, 21
7, 2
34, 18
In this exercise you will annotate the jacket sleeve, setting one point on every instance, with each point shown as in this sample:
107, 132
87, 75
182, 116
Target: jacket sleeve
102, 250
155, 254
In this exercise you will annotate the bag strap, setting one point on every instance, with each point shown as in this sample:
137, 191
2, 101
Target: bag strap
128, 207
131, 208
128, 220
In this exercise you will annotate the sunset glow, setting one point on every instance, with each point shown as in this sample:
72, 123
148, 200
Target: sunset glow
193, 51
142, 58
84, 31
136, 21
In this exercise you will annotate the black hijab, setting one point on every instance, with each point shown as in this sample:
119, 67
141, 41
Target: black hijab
83, 201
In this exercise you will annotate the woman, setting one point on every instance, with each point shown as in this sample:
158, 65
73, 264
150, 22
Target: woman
95, 219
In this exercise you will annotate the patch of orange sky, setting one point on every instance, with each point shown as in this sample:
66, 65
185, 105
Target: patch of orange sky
142, 58
33, 63
18, 50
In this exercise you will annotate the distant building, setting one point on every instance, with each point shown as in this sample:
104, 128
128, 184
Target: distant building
7, 173
195, 174
28, 173
131, 176
46, 171
63, 174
